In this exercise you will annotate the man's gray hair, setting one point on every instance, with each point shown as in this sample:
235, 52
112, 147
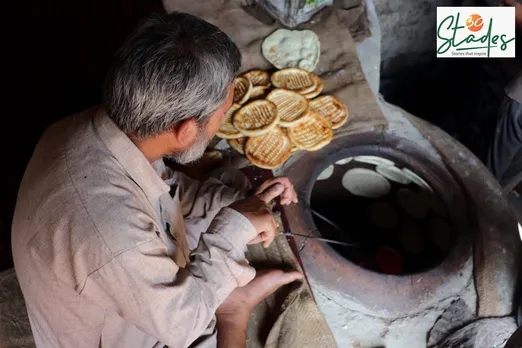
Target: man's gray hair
175, 67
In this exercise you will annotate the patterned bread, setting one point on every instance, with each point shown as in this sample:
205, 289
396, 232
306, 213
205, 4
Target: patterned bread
318, 89
238, 144
331, 109
258, 78
242, 90
311, 134
227, 129
256, 118
258, 92
295, 79
292, 107
269, 150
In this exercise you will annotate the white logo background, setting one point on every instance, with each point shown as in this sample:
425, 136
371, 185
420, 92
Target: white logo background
503, 23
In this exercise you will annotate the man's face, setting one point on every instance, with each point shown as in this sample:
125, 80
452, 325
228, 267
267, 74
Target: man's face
217, 117
205, 133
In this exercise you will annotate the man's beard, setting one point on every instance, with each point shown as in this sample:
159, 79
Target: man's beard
194, 152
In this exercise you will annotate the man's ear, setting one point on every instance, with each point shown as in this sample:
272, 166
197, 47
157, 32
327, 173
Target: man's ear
185, 132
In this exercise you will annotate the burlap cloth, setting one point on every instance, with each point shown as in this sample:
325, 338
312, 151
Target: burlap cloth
290, 317
338, 66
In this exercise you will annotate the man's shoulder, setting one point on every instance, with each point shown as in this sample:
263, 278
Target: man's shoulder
77, 207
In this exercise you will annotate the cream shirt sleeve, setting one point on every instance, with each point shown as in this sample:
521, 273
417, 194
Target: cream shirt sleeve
175, 305
199, 197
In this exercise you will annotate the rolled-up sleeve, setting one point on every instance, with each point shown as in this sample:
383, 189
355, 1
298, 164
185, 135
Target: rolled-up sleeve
176, 305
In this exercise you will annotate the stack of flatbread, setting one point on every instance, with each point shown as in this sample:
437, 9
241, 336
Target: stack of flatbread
278, 114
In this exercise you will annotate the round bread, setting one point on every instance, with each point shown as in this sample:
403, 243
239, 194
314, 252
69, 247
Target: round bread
383, 214
440, 233
416, 179
375, 160
258, 77
412, 237
318, 89
294, 79
269, 150
312, 133
365, 183
344, 161
242, 90
227, 129
256, 118
434, 202
238, 144
332, 109
292, 48
393, 173
412, 203
326, 174
292, 107
258, 92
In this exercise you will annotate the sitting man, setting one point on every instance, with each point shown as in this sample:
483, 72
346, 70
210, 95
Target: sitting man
107, 253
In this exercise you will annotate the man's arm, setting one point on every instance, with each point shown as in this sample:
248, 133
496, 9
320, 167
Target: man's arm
197, 198
175, 305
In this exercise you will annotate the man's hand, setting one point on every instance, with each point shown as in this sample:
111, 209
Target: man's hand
256, 210
288, 194
233, 314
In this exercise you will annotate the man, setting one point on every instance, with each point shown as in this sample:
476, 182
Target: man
504, 150
99, 239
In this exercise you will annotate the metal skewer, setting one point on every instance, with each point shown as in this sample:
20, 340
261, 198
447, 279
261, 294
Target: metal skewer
326, 240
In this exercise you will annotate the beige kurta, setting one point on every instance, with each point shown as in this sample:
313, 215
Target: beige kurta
96, 260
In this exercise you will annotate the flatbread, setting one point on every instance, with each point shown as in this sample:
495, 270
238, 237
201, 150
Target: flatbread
311, 134
326, 174
440, 233
365, 183
269, 150
332, 109
298, 80
238, 144
417, 179
434, 203
227, 129
393, 173
258, 92
292, 49
258, 78
383, 214
292, 107
318, 89
374, 160
242, 90
256, 118
412, 238
344, 161
412, 203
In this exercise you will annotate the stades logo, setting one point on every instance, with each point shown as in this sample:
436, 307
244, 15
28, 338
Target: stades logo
475, 32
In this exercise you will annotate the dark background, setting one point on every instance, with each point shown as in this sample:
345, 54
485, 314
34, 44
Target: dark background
55, 54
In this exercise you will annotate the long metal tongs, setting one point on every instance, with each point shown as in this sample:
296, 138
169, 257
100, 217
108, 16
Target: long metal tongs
326, 240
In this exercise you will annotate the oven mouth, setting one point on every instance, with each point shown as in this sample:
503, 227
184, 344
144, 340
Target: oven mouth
392, 238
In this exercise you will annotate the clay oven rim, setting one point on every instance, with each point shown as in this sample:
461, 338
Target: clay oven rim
403, 152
